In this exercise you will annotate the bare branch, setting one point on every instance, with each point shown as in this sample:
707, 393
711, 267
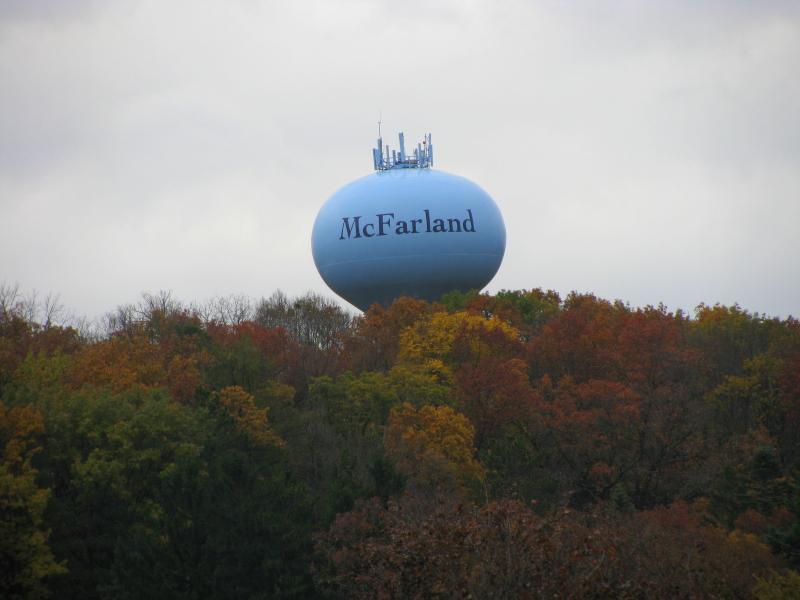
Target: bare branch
9, 300
29, 307
52, 310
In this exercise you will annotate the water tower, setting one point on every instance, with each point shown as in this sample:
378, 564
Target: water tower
407, 230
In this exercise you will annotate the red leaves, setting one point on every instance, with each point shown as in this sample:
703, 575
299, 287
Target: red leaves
184, 378
505, 548
494, 393
375, 340
593, 339
579, 341
273, 343
595, 427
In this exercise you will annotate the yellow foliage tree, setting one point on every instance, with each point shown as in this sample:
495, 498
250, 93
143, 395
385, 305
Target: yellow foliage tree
24, 550
420, 384
248, 418
778, 586
432, 339
433, 446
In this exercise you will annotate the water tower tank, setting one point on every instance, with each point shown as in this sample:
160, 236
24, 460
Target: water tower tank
407, 230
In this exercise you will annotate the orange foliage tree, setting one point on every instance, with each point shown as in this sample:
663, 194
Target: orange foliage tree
433, 446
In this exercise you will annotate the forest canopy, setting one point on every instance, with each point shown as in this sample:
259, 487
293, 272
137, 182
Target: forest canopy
511, 445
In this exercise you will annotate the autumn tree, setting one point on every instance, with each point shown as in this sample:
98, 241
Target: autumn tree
25, 554
374, 342
433, 447
247, 417
443, 340
525, 310
579, 341
505, 549
495, 394
729, 335
506, 445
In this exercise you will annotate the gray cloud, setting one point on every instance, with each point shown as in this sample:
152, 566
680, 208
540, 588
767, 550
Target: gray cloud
648, 152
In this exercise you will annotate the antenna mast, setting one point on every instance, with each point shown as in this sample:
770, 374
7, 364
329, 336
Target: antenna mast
383, 160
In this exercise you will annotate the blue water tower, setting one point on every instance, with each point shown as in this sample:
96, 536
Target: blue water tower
407, 230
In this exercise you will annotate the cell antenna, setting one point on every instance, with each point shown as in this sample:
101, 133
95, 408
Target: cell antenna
384, 159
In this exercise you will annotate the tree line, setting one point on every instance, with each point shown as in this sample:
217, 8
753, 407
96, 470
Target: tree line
511, 445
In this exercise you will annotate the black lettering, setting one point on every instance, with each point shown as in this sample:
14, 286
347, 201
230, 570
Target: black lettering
454, 223
346, 225
469, 224
384, 222
352, 228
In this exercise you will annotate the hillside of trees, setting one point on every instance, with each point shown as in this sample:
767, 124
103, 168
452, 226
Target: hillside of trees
517, 445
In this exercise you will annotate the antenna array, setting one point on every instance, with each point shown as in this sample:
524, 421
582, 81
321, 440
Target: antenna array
383, 160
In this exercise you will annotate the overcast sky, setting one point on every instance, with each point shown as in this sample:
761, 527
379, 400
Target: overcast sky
646, 151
